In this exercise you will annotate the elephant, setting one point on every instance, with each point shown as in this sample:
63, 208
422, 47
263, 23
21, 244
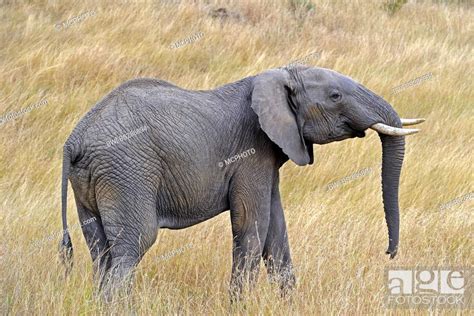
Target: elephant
151, 155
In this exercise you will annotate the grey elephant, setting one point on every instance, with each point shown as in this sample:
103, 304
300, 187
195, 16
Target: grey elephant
151, 155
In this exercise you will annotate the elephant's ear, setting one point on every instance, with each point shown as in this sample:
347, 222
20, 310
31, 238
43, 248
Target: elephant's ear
271, 103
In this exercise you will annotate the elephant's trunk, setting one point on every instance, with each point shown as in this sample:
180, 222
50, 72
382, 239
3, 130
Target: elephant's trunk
393, 151
392, 134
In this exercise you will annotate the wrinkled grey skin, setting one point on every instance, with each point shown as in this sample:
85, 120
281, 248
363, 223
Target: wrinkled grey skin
169, 176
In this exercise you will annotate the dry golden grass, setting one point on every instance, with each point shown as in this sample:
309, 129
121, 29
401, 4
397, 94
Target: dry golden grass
337, 236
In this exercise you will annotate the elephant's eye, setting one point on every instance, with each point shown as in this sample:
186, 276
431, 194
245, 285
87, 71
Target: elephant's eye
335, 96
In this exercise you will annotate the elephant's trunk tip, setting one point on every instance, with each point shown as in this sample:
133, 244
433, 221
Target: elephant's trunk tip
392, 252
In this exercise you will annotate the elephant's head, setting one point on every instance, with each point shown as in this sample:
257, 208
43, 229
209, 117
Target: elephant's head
300, 106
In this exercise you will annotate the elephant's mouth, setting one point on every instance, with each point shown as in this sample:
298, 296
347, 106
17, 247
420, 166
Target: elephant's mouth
354, 132
344, 132
359, 134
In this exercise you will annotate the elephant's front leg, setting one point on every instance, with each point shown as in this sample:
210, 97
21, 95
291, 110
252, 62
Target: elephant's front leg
276, 252
250, 217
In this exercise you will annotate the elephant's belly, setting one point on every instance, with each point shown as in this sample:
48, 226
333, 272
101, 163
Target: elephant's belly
171, 221
185, 210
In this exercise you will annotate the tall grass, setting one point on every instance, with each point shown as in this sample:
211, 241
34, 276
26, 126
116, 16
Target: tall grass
337, 236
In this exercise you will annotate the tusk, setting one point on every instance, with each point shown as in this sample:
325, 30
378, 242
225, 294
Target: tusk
393, 131
406, 122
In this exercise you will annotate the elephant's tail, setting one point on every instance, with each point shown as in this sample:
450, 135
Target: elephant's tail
65, 246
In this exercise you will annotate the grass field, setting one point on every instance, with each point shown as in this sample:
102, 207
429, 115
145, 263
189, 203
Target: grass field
58, 58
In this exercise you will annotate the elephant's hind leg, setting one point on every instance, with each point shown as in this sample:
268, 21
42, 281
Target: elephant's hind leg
94, 234
131, 227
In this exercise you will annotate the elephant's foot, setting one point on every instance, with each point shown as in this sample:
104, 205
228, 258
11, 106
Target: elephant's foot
281, 273
244, 277
117, 283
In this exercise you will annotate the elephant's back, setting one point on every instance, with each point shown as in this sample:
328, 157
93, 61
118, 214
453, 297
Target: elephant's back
141, 118
120, 98
123, 110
